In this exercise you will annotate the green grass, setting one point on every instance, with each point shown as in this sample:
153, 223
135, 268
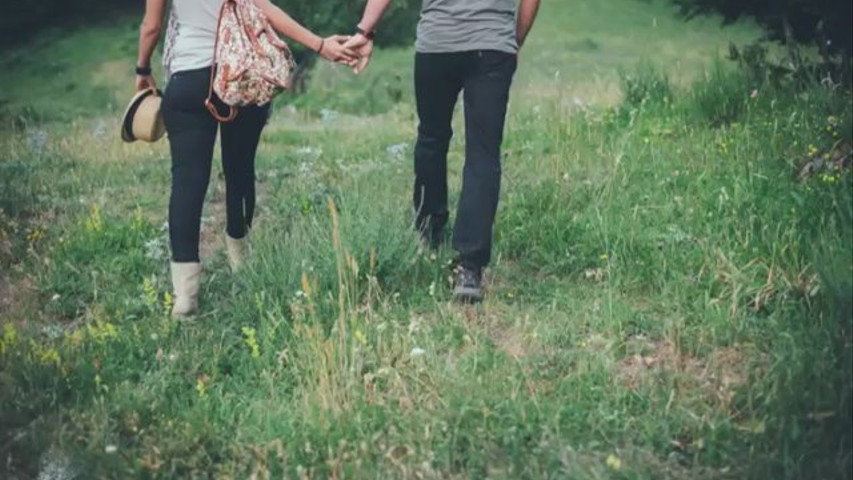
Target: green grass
667, 300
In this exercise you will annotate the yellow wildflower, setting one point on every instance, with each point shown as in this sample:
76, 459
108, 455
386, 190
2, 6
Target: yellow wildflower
47, 356
251, 340
613, 462
168, 302
101, 331
9, 339
35, 235
138, 222
201, 388
149, 291
94, 223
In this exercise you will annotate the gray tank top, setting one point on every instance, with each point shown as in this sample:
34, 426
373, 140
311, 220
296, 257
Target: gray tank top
462, 25
190, 34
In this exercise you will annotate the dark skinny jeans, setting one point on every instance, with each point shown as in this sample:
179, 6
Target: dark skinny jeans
192, 135
485, 76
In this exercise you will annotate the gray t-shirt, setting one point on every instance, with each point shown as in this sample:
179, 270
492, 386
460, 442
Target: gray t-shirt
462, 25
191, 34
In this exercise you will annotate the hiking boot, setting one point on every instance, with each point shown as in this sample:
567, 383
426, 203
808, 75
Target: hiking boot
186, 280
468, 285
237, 250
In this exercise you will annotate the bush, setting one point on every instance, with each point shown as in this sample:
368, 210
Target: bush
824, 22
23, 18
645, 85
720, 98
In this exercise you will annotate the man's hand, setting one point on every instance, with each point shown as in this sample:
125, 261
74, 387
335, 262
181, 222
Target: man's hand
363, 46
334, 49
144, 82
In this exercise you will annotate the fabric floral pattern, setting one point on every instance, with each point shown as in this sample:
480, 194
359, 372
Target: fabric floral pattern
171, 40
252, 63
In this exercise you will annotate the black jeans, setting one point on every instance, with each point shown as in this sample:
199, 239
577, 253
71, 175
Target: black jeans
192, 136
485, 77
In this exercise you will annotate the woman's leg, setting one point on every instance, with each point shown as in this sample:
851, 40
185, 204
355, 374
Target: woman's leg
239, 145
192, 134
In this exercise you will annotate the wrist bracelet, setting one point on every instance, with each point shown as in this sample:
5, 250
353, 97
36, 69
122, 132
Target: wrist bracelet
368, 35
143, 71
322, 44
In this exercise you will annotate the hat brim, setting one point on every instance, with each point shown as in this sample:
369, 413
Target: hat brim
127, 119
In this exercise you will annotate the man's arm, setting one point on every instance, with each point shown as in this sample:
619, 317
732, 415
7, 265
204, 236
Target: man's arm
527, 11
373, 12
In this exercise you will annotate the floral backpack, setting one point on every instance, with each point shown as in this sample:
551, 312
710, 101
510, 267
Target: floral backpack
251, 63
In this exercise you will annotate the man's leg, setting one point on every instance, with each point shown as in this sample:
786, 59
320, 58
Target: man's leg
438, 81
486, 95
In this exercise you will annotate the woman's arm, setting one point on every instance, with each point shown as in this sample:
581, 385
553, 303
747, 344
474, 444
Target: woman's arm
149, 35
330, 48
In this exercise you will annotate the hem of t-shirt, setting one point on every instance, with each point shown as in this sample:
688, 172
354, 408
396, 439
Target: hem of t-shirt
187, 67
468, 48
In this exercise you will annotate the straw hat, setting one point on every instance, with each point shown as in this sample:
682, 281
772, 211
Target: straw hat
142, 120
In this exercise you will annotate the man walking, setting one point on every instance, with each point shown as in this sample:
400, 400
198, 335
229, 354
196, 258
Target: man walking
468, 46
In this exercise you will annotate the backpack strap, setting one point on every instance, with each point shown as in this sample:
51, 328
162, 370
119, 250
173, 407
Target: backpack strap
208, 102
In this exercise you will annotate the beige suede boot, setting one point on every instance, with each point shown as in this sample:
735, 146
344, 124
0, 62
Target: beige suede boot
237, 250
186, 280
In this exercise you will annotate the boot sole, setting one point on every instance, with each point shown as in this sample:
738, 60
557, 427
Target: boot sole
468, 295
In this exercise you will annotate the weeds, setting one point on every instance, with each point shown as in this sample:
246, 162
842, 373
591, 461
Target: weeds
670, 298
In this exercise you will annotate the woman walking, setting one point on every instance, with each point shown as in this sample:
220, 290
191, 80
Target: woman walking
188, 59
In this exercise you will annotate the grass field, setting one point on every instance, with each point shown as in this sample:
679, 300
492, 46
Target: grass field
670, 296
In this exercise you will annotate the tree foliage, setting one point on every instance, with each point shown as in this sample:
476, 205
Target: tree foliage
826, 23
22, 18
341, 16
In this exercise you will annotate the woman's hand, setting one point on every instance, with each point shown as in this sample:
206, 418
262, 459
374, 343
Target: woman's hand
333, 49
144, 82
330, 48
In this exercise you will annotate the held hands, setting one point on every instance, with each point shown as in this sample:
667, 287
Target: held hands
363, 47
334, 49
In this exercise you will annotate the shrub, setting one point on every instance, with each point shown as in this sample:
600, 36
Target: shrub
824, 21
824, 24
720, 98
645, 85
